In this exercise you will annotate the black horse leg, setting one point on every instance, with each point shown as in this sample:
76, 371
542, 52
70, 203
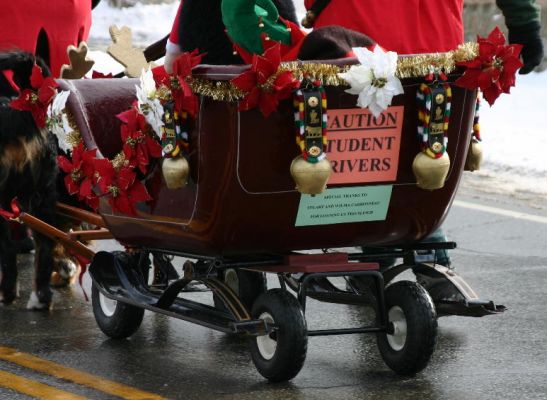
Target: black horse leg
8, 261
43, 264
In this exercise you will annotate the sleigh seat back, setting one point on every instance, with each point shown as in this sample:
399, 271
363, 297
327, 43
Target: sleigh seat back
93, 106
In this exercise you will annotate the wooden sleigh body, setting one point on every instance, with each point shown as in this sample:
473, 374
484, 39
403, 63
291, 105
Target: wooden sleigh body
241, 198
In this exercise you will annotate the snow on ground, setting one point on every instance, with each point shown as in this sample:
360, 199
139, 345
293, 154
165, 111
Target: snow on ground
514, 133
514, 130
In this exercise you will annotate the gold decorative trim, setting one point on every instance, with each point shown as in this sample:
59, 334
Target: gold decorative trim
326, 73
416, 66
119, 161
73, 138
419, 65
217, 90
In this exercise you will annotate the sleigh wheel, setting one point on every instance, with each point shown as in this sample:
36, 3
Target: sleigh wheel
280, 355
412, 313
248, 285
117, 320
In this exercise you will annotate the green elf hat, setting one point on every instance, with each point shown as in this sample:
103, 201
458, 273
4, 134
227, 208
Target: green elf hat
247, 20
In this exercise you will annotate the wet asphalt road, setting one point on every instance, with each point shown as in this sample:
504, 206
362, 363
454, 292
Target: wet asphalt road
496, 357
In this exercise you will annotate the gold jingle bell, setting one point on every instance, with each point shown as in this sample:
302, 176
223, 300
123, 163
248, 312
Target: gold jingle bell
474, 156
430, 172
175, 172
310, 178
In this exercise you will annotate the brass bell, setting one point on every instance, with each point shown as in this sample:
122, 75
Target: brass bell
430, 172
310, 178
175, 172
474, 156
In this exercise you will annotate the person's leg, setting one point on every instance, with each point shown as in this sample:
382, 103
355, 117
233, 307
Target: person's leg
438, 256
441, 257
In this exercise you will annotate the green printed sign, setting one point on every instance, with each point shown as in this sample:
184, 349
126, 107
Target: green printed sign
341, 205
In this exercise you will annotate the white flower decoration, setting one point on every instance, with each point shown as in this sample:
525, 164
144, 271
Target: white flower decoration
57, 120
148, 103
374, 80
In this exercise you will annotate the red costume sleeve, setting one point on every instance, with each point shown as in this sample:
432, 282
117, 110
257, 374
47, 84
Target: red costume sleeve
64, 23
404, 26
174, 35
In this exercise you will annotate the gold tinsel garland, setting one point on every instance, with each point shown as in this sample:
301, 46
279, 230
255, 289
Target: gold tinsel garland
74, 138
326, 73
419, 65
416, 66
217, 90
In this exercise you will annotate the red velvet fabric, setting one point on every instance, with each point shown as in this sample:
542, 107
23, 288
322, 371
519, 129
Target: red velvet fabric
174, 35
64, 22
404, 26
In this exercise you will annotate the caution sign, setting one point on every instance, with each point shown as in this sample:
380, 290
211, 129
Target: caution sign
363, 148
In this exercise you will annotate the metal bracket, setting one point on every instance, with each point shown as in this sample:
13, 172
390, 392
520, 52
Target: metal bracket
451, 294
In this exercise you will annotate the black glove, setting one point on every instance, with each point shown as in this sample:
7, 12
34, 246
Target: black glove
532, 51
94, 3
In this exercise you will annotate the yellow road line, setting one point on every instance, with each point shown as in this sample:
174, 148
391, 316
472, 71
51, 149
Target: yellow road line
34, 389
79, 377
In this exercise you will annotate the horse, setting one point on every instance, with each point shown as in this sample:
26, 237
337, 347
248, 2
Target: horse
28, 172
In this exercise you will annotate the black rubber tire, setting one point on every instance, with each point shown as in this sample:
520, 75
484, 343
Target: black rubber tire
250, 285
124, 322
291, 336
421, 328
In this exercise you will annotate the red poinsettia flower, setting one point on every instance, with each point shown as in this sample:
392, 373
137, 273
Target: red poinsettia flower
80, 174
138, 145
38, 100
183, 65
185, 99
100, 75
263, 85
121, 187
494, 69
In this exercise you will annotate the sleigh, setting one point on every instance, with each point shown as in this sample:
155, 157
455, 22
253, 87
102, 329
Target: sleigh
239, 217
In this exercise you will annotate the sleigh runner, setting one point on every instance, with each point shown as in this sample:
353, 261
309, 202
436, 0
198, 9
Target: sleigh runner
237, 214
